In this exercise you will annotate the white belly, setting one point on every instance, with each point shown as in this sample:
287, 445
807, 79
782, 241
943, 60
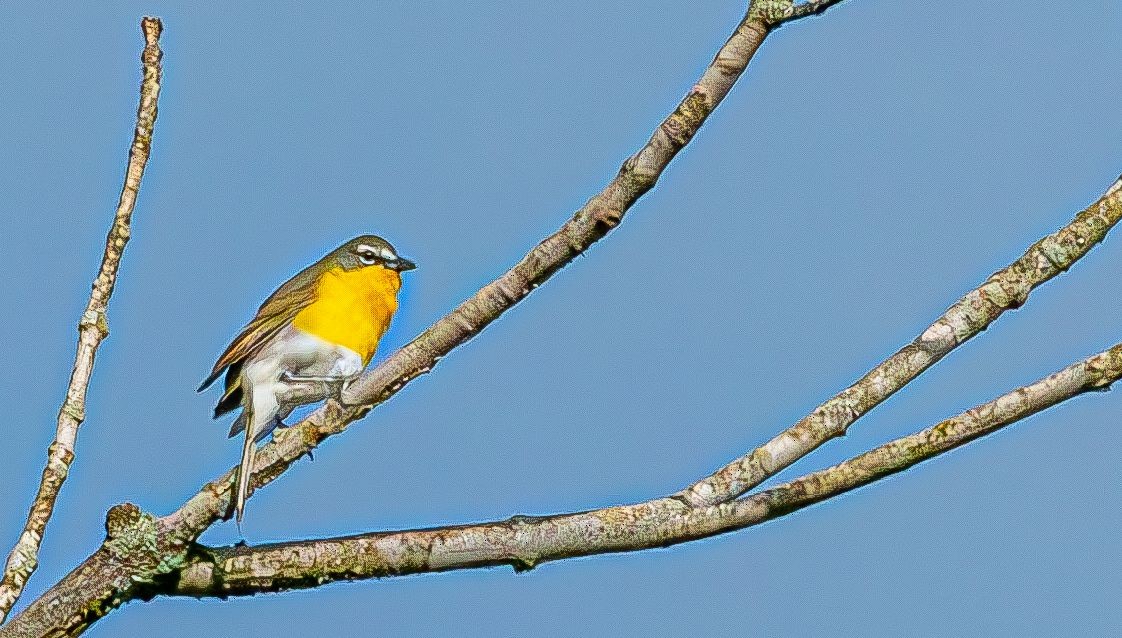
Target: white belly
296, 353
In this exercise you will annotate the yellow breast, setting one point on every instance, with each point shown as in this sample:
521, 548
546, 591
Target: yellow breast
352, 308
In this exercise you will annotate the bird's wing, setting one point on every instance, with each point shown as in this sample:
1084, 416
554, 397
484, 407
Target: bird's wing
278, 311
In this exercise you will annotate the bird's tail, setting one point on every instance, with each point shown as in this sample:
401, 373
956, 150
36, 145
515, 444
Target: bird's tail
245, 471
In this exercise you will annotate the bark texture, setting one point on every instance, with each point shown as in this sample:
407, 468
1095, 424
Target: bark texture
1006, 289
98, 585
602, 213
525, 541
144, 556
93, 328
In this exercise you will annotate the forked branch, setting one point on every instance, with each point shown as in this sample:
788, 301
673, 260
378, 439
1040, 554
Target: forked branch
602, 213
1004, 290
145, 556
525, 542
113, 573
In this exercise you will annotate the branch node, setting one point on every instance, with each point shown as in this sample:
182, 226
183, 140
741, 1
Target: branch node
63, 454
120, 519
640, 180
132, 536
523, 564
97, 320
75, 412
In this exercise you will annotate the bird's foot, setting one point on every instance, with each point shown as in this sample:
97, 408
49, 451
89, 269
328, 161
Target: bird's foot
333, 385
288, 377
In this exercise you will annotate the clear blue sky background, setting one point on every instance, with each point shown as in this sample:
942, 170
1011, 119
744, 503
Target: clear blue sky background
874, 164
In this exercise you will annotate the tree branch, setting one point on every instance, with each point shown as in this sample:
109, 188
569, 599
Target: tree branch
1004, 290
93, 328
775, 13
602, 213
143, 548
524, 542
804, 9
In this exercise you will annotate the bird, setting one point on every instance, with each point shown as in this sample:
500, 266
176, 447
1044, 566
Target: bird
311, 338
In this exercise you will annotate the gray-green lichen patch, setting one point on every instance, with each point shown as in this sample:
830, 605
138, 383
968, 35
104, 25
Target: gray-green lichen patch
684, 122
133, 538
771, 10
130, 531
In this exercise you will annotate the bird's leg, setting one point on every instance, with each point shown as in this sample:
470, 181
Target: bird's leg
337, 383
313, 386
288, 377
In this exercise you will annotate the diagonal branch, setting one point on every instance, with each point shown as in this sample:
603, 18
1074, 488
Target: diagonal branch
602, 213
525, 542
140, 548
92, 330
1006, 289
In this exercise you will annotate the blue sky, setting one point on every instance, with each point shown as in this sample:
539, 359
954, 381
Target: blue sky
872, 165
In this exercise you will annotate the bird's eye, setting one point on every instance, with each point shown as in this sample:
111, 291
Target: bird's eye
367, 257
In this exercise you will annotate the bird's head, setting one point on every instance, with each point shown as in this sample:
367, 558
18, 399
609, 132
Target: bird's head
367, 251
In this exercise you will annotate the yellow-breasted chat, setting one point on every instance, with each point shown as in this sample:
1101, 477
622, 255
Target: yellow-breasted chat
318, 330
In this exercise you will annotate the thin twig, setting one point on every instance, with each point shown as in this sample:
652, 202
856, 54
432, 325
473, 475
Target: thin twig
525, 542
594, 220
1006, 289
114, 573
1115, 187
92, 330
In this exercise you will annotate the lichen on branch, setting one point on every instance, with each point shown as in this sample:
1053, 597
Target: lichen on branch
525, 542
1006, 289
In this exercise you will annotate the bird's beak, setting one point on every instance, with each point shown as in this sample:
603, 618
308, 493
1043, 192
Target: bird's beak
400, 264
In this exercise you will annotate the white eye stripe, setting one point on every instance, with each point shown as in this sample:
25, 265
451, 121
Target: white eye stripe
369, 254
380, 251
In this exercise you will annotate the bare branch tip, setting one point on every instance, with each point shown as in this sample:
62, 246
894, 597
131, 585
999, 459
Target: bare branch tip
710, 501
1115, 187
93, 329
152, 28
